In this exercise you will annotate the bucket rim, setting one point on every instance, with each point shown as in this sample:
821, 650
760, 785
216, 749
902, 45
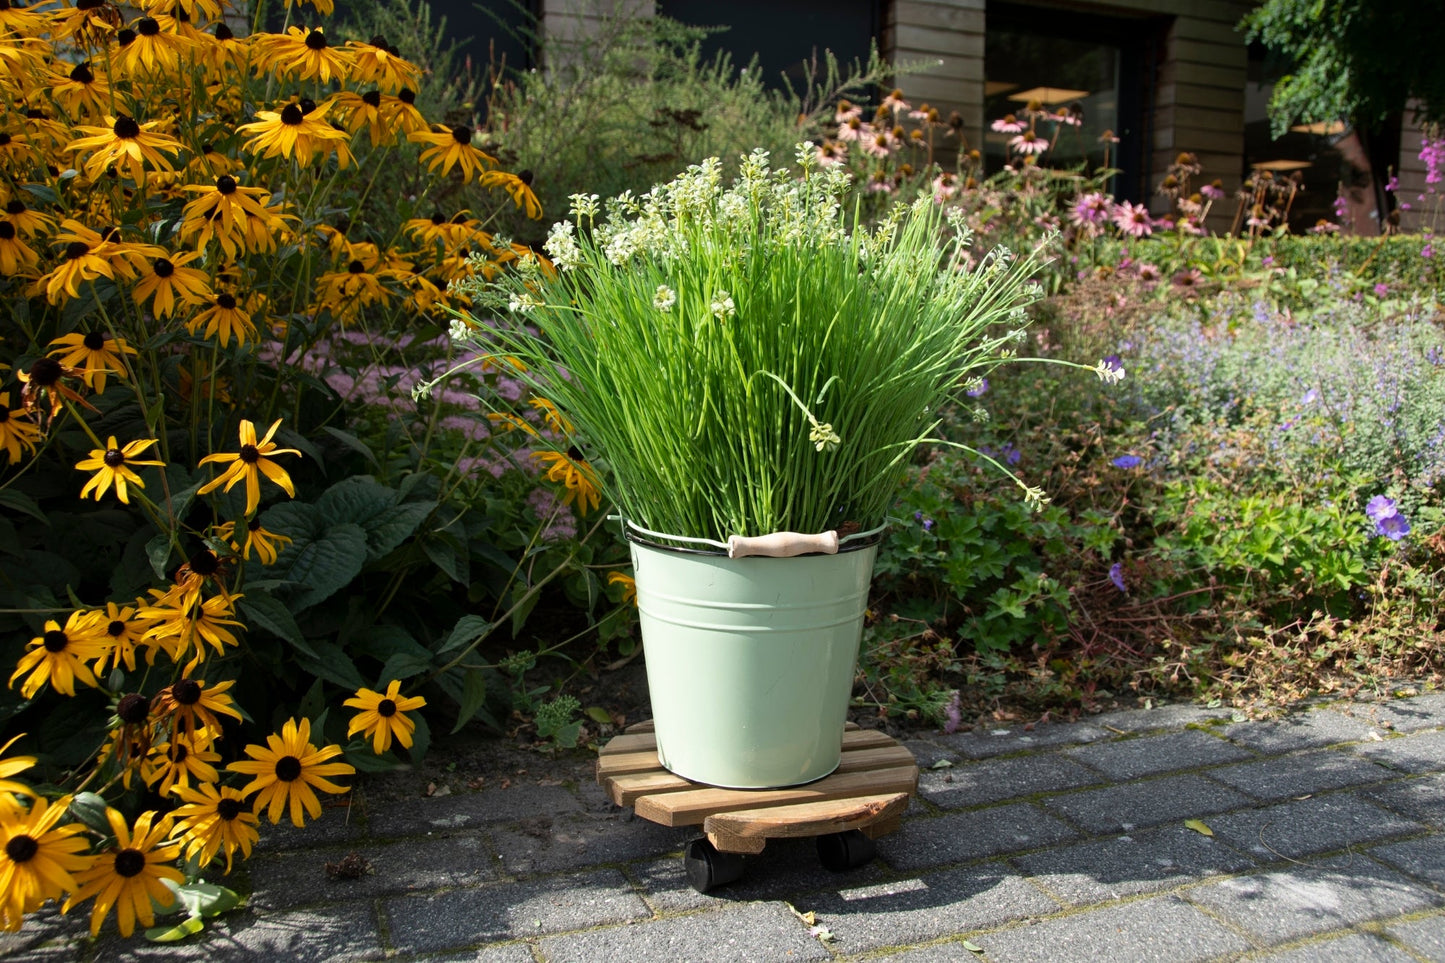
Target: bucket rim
632, 532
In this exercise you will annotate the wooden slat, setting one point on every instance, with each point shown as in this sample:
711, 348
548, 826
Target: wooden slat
692, 807
807, 819
629, 742
626, 788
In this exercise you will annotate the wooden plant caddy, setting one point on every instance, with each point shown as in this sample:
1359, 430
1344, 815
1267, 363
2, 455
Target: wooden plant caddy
860, 801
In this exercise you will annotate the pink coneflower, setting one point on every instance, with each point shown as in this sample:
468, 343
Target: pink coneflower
1188, 280
1214, 191
945, 186
1191, 225
1008, 124
880, 183
831, 154
877, 145
1133, 220
1065, 116
1048, 222
1147, 273
894, 102
1029, 143
854, 129
1090, 210
846, 111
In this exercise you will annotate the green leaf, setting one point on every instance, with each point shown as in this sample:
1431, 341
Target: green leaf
332, 664
473, 696
354, 443
1198, 826
287, 438
273, 616
360, 500
364, 760
89, 808
420, 739
312, 702
468, 629
972, 947
21, 502
171, 934
446, 552
158, 551
323, 560
599, 715
524, 605
207, 899
404, 665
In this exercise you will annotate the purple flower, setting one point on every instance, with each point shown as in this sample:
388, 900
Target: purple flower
1310, 397
1393, 527
1116, 575
1381, 290
1127, 461
1434, 356
1380, 507
927, 522
952, 714
1393, 184
978, 390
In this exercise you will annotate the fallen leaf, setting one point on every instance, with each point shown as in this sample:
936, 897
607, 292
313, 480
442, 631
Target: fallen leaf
942, 764
822, 933
1198, 826
972, 947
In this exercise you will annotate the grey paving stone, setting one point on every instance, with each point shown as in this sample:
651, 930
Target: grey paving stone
337, 825
1143, 804
1418, 753
470, 809
1422, 798
926, 753
923, 843
1127, 865
923, 908
1300, 901
1421, 858
1424, 936
1354, 948
506, 953
1401, 715
45, 934
1283, 777
1300, 730
336, 934
399, 867
1160, 929
1318, 825
1175, 716
952, 951
574, 840
490, 914
1150, 755
985, 743
975, 784
750, 933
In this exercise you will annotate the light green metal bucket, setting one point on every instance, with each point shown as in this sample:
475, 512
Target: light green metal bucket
750, 661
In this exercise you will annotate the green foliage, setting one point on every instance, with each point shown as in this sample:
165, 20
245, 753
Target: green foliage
557, 721
1357, 60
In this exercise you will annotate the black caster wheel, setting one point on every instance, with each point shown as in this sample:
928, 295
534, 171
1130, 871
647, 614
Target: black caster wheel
707, 868
840, 852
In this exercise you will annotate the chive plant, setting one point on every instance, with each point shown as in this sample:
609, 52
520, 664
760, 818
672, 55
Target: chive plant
753, 358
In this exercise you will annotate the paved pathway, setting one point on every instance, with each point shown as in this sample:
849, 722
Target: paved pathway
1067, 842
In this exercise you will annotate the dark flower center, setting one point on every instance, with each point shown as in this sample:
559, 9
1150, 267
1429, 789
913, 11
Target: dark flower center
33, 113
111, 235
204, 563
132, 708
89, 4
148, 26
56, 641
228, 809
288, 768
460, 217
250, 454
126, 127
226, 301
291, 115
226, 184
386, 707
254, 525
406, 95
438, 218
45, 372
179, 752
15, 206
125, 37
4, 138
21, 848
186, 692
76, 250
180, 14
114, 458
575, 453
224, 32
4, 414
197, 613
462, 134
129, 862
82, 74
163, 267
115, 629
307, 105
372, 98
356, 267
379, 42
7, 231
94, 341
316, 40
526, 176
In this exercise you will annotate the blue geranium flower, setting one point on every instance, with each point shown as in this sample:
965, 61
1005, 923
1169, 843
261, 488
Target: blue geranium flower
1127, 461
1116, 575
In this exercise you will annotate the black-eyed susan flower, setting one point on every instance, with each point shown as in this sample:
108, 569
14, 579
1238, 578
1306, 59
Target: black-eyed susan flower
23, 58
18, 434
184, 622
114, 465
193, 9
518, 188
149, 49
301, 54
378, 62
192, 704
95, 353
226, 317
27, 221
266, 543
127, 144
38, 858
555, 419
506, 421
58, 656
130, 876
17, 259
401, 112
130, 737
124, 631
575, 475
294, 132
240, 218
12, 766
452, 147
289, 770
359, 285
127, 258
44, 381
16, 152
358, 112
224, 52
79, 263
250, 463
22, 21
81, 93
186, 756
88, 21
214, 820
628, 584
383, 716
170, 284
